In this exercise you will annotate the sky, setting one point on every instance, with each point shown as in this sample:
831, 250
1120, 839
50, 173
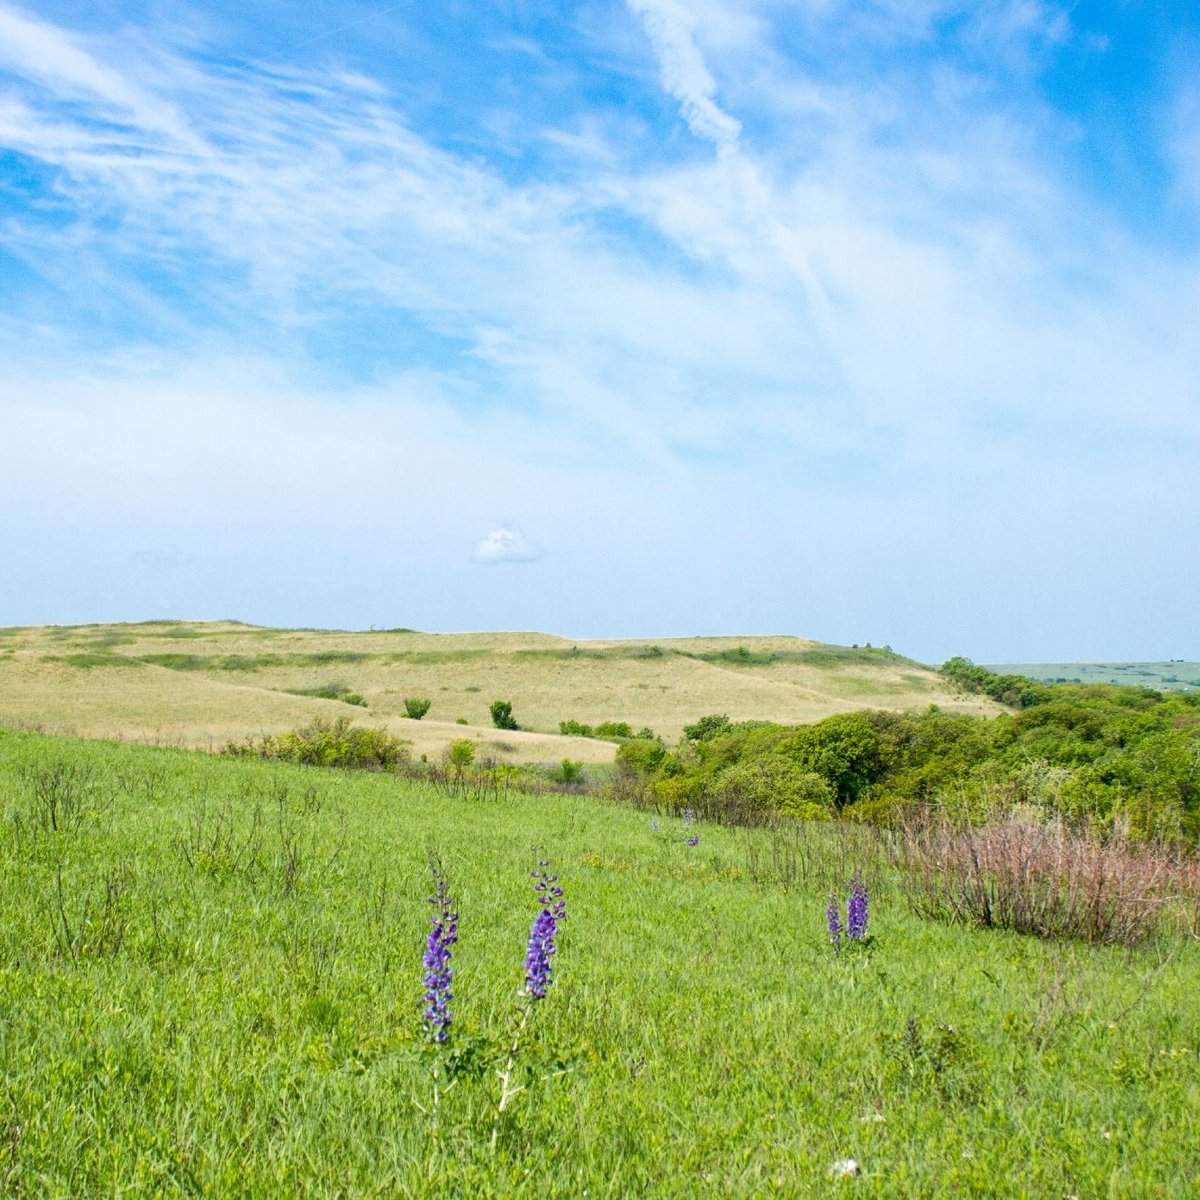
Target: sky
861, 320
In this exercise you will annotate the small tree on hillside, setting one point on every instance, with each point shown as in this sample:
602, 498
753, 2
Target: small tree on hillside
502, 716
416, 707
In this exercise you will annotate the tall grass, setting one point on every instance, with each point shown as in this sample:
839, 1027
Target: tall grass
1038, 875
212, 984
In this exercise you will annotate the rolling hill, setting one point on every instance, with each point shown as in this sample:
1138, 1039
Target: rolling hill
202, 684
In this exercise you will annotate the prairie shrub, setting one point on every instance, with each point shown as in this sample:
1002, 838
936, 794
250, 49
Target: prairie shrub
773, 784
707, 728
323, 743
461, 753
569, 771
416, 707
1038, 877
614, 729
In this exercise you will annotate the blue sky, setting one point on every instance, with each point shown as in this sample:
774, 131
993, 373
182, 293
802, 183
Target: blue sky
864, 320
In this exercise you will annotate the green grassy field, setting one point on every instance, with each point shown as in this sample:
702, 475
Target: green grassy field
1174, 676
211, 985
203, 684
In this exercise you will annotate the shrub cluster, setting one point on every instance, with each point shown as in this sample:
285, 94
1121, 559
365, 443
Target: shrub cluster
323, 743
1100, 755
608, 730
1014, 690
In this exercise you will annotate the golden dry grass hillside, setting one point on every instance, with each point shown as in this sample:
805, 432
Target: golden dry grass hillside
202, 684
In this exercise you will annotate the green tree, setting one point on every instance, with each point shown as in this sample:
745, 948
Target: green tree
707, 728
845, 749
461, 754
502, 716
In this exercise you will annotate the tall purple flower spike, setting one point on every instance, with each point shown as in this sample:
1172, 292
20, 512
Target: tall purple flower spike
833, 921
438, 973
542, 945
856, 909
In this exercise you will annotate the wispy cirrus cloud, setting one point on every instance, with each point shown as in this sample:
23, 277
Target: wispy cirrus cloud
296, 194
832, 257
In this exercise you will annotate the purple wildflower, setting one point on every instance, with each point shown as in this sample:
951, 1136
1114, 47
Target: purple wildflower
856, 909
694, 840
653, 824
688, 817
553, 909
833, 921
438, 973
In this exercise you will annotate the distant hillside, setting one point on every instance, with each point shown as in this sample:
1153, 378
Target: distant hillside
1173, 676
202, 684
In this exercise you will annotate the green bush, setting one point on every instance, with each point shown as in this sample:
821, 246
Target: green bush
776, 784
502, 717
416, 707
323, 743
677, 792
569, 771
606, 729
614, 729
645, 755
707, 728
461, 753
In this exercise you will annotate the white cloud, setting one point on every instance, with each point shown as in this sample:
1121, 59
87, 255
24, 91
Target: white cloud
910, 281
685, 75
504, 545
905, 291
43, 52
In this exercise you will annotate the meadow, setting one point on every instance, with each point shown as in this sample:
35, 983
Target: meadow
211, 983
1176, 675
202, 684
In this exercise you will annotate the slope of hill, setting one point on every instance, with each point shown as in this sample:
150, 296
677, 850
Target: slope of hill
202, 684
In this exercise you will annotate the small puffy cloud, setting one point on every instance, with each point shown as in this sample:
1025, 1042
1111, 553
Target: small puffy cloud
504, 545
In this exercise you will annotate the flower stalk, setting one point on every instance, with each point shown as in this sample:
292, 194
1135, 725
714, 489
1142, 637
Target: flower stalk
539, 975
855, 928
856, 909
439, 976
